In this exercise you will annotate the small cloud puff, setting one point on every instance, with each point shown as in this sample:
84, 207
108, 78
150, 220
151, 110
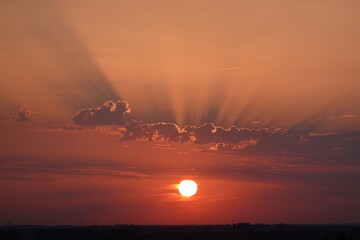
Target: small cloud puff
24, 115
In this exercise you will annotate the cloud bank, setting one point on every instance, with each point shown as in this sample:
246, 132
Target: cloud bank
261, 141
234, 140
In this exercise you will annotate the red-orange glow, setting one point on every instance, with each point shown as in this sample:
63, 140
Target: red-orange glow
257, 101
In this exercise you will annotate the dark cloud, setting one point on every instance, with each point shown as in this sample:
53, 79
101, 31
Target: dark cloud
135, 130
224, 147
203, 134
23, 115
317, 148
107, 114
341, 116
342, 148
231, 148
69, 128
306, 146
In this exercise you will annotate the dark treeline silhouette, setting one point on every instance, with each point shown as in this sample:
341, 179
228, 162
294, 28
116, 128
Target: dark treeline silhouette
244, 231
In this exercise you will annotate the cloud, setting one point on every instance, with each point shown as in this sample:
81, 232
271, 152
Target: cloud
107, 114
231, 148
203, 134
24, 115
224, 147
69, 128
341, 116
307, 146
135, 130
342, 148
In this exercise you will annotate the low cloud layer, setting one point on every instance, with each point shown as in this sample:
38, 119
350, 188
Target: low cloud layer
203, 134
234, 140
245, 141
107, 114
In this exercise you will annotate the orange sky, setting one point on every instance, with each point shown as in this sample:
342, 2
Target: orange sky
90, 178
285, 64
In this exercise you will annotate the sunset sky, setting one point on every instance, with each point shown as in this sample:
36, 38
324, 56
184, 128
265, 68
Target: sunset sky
105, 106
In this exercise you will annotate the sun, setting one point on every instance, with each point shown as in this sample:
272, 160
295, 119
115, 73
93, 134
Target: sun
187, 188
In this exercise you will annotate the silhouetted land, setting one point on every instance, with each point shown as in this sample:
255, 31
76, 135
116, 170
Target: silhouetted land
243, 231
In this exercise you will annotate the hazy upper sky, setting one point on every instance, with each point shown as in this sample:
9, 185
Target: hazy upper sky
290, 65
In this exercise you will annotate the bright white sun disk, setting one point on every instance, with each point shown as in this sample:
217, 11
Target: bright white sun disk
187, 188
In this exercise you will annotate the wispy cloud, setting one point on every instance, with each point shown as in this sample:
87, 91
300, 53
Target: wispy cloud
341, 116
